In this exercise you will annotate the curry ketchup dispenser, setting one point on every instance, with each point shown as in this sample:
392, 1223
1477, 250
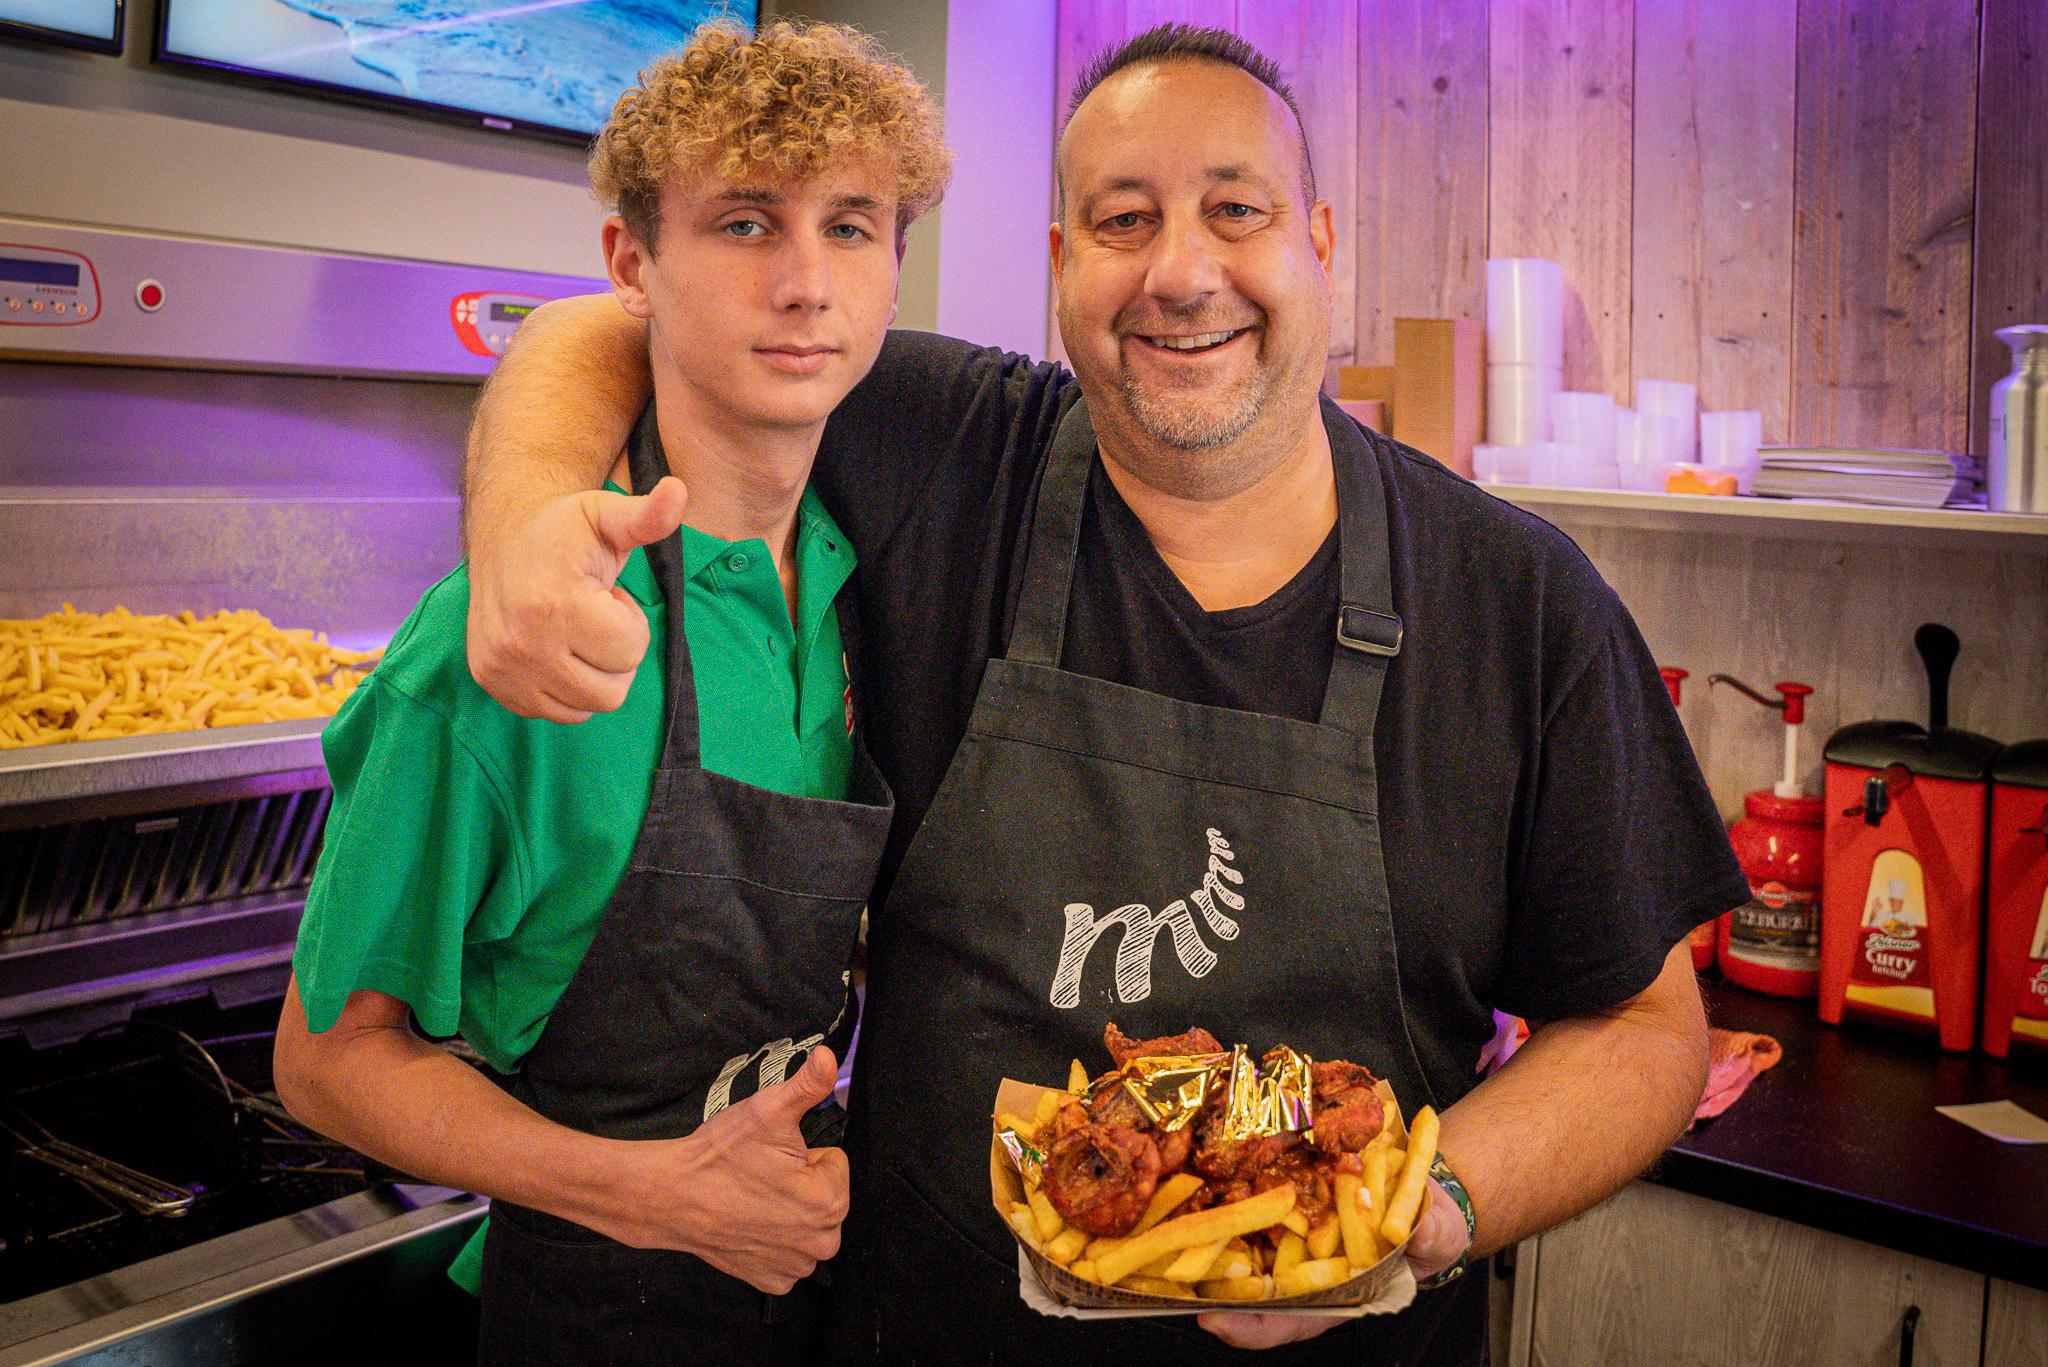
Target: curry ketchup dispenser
2016, 932
1904, 885
1701, 938
1772, 942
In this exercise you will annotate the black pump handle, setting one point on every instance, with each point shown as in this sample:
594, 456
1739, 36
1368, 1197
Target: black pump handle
1938, 647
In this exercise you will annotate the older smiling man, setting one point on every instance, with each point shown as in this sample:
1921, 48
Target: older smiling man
1169, 603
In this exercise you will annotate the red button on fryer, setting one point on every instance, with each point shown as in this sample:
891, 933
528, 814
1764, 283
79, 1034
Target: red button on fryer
150, 295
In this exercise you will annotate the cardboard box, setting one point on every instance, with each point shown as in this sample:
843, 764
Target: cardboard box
1440, 387
1368, 413
1366, 383
1384, 1287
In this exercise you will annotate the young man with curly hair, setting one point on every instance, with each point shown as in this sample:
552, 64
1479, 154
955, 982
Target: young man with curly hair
645, 923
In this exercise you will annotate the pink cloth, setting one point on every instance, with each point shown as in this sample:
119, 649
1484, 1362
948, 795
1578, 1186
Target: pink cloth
1734, 1059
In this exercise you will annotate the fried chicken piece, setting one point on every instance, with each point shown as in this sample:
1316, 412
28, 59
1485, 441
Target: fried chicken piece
1123, 1049
1067, 1119
1112, 1104
1347, 1110
1225, 1160
1101, 1177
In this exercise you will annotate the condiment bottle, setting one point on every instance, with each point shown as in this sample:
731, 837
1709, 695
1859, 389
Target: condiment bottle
1772, 942
1701, 937
2016, 930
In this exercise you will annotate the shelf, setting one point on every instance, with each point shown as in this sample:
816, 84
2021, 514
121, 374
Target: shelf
1810, 519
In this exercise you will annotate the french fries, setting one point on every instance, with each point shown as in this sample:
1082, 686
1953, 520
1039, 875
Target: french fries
1375, 1161
96, 676
1316, 1274
1233, 1289
1159, 1286
1354, 1222
1066, 1246
1186, 1231
1043, 1215
1406, 1201
1291, 1251
1048, 1107
1258, 1248
1193, 1265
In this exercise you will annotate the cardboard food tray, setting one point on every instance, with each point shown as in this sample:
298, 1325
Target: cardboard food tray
1384, 1287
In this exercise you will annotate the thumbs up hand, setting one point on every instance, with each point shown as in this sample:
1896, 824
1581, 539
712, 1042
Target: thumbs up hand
742, 1191
551, 634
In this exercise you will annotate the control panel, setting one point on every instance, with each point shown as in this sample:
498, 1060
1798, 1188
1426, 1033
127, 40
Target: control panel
484, 321
46, 287
159, 299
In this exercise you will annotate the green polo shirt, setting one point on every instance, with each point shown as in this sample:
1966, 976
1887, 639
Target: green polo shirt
470, 853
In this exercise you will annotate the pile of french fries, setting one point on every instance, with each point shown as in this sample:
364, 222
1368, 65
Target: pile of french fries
1259, 1248
100, 675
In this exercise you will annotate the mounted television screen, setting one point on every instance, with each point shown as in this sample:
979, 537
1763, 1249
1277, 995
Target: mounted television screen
552, 66
91, 24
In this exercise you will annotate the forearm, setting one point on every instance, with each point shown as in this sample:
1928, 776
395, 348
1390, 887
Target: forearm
1580, 1110
393, 1096
555, 413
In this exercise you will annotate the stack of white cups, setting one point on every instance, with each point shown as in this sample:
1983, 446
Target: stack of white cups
1646, 446
1524, 348
1587, 420
1675, 399
1730, 441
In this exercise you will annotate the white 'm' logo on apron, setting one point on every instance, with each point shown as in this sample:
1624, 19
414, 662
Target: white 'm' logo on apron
775, 1058
1141, 927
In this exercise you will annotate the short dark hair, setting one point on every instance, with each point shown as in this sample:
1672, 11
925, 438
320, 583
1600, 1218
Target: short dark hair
1191, 42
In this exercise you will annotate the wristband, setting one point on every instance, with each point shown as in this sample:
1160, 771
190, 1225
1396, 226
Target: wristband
1455, 1189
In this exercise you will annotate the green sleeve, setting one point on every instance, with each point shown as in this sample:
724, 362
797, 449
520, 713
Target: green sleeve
418, 846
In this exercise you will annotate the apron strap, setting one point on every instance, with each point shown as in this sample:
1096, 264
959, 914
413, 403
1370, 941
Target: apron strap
1368, 628
1041, 626
680, 747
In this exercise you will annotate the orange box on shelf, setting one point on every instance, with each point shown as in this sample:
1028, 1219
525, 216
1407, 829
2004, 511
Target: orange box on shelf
1367, 383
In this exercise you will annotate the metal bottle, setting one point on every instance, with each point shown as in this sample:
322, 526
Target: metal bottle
2016, 477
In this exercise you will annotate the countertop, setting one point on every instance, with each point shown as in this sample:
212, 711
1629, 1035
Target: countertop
1842, 1135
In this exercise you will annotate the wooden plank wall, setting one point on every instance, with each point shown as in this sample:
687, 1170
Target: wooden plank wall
2010, 260
1822, 209
1883, 191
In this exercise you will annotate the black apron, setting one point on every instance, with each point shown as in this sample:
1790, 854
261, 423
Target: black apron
1096, 853
721, 960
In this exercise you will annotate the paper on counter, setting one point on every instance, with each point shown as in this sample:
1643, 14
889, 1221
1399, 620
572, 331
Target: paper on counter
2004, 1121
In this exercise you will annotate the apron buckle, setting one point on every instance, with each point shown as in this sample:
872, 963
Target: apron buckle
1362, 629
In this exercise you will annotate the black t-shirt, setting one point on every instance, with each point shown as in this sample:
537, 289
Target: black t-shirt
1548, 837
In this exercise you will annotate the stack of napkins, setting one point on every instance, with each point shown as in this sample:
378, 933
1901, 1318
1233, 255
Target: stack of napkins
1874, 475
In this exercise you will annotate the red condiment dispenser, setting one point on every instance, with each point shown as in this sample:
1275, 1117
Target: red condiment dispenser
2016, 931
1701, 937
1904, 875
1772, 942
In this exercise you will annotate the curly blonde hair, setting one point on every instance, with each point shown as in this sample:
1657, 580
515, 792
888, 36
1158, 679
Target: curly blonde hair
785, 101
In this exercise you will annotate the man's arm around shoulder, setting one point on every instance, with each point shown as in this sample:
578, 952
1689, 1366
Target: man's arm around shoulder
549, 633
